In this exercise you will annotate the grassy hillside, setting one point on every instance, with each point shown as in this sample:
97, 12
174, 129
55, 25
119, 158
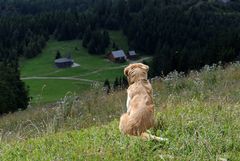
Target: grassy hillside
92, 68
199, 114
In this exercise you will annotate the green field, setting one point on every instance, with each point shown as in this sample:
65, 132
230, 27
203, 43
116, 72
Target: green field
49, 90
92, 67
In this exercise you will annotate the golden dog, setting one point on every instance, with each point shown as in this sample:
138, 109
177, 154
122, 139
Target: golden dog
140, 108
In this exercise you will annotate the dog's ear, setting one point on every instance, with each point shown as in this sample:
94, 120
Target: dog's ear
126, 70
145, 67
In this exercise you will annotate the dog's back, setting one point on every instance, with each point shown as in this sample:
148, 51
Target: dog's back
140, 118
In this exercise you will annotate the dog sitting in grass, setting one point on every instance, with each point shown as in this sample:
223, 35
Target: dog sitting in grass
140, 109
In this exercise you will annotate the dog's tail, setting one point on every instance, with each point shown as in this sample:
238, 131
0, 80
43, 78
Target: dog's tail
137, 123
147, 136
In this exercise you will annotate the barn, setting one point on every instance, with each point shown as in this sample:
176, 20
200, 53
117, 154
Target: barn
132, 55
63, 62
117, 56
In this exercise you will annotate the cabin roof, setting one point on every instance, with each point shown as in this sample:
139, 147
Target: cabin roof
118, 54
63, 60
132, 53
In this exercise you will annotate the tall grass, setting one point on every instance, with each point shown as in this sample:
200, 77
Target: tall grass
198, 113
72, 112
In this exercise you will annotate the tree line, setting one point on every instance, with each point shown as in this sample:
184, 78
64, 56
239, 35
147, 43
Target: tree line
118, 84
183, 37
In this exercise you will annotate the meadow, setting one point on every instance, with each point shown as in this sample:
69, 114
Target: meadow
198, 113
95, 68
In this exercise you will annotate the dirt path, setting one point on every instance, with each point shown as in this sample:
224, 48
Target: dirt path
140, 60
59, 78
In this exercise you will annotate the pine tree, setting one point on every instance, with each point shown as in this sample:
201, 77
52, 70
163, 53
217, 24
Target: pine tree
86, 37
116, 84
14, 94
120, 83
107, 86
114, 46
106, 39
58, 55
125, 82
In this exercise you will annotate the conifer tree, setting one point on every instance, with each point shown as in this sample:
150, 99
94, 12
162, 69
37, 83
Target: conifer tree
107, 86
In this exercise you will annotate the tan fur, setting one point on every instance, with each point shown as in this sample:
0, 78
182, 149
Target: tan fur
140, 115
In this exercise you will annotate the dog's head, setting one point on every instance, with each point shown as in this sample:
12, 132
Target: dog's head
135, 72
